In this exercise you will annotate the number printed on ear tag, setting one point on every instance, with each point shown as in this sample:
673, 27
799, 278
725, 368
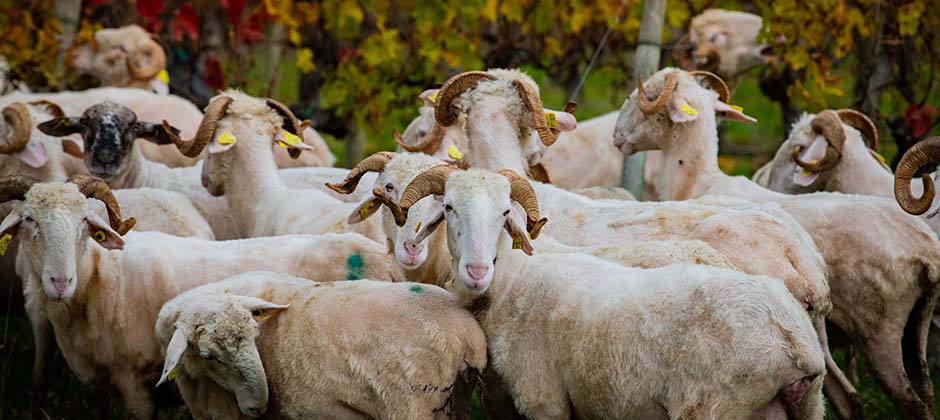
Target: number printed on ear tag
517, 241
364, 211
551, 120
5, 242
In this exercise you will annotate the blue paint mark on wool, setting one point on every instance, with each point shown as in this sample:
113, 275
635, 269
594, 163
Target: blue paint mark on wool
355, 266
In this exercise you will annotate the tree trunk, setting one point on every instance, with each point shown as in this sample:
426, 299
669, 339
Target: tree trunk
67, 12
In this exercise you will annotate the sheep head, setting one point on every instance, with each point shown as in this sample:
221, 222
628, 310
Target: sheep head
723, 42
55, 221
213, 337
923, 153
671, 100
477, 206
108, 130
123, 57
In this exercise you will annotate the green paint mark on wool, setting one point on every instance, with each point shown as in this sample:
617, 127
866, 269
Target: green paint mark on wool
355, 266
415, 288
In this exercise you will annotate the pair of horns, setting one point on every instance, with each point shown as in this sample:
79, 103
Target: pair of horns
429, 145
650, 107
15, 187
829, 125
432, 182
923, 153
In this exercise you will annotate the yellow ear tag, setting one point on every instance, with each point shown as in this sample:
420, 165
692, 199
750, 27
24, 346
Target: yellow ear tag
879, 157
4, 242
226, 138
172, 375
100, 236
550, 119
163, 76
517, 240
454, 153
736, 108
688, 110
364, 211
418, 226
289, 141
433, 97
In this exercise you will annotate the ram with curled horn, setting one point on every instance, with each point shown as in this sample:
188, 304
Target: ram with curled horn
923, 153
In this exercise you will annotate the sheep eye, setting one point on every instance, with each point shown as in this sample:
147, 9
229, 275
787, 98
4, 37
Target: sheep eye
389, 187
28, 219
256, 313
422, 133
448, 207
206, 355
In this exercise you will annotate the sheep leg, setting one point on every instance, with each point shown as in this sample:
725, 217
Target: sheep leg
845, 401
138, 402
44, 340
882, 352
914, 344
811, 405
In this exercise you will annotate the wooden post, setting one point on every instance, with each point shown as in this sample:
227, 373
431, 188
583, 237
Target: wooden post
68, 12
645, 63
355, 141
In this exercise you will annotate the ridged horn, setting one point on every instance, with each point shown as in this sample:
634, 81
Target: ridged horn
715, 83
429, 182
429, 145
827, 124
53, 108
451, 89
151, 52
922, 153
96, 188
383, 197
532, 101
291, 123
18, 117
214, 112
651, 107
374, 163
521, 192
15, 187
862, 123
539, 173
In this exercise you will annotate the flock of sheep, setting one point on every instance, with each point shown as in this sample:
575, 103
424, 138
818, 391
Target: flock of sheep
221, 254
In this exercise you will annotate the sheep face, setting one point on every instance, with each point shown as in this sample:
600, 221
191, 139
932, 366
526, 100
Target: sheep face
690, 106
109, 130
53, 224
732, 36
786, 176
121, 57
214, 338
477, 208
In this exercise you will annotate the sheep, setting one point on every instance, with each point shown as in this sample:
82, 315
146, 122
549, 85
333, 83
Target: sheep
600, 306
124, 57
882, 298
102, 304
406, 355
854, 168
724, 42
239, 131
109, 132
181, 113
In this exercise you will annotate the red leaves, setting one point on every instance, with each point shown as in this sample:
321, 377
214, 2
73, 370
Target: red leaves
148, 9
234, 9
213, 74
185, 21
919, 119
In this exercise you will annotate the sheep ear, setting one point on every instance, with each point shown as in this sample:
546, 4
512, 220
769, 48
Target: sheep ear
366, 209
102, 233
222, 141
34, 154
261, 309
154, 133
435, 217
73, 148
563, 121
429, 96
723, 110
9, 226
174, 351
62, 126
516, 229
681, 111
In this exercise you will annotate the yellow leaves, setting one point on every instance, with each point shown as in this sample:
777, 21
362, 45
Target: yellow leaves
511, 11
381, 48
909, 17
489, 11
294, 37
305, 60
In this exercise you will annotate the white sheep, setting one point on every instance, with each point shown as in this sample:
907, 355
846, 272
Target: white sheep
240, 132
725, 42
882, 297
181, 113
406, 353
102, 305
752, 340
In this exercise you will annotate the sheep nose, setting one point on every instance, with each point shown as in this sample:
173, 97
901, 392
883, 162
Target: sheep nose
413, 248
477, 272
255, 412
60, 284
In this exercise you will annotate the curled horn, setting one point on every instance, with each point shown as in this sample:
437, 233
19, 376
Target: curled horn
96, 188
374, 163
682, 52
214, 112
862, 123
651, 107
451, 89
715, 83
532, 101
151, 52
710, 56
429, 182
923, 153
17, 116
397, 213
521, 192
53, 108
827, 124
539, 173
14, 187
429, 145
291, 123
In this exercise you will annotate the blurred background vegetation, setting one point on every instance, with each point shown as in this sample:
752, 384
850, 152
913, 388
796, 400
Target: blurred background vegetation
356, 68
